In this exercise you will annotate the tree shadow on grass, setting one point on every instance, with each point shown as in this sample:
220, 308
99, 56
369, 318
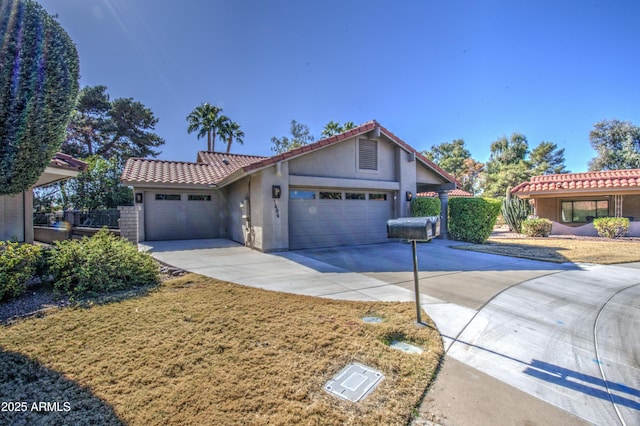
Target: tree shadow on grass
32, 394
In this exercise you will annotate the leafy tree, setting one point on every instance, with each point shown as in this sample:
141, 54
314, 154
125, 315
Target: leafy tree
335, 128
122, 128
98, 187
456, 160
471, 175
450, 156
547, 159
507, 165
300, 136
206, 120
617, 144
38, 86
232, 131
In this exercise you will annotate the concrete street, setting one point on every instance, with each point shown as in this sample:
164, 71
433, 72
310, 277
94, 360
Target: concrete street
527, 342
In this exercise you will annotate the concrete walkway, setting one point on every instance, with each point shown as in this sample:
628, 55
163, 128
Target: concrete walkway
504, 360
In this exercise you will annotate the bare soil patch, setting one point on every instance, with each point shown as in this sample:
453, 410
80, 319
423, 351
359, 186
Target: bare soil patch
203, 351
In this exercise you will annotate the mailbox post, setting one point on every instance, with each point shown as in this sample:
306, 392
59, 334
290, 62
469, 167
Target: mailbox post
414, 229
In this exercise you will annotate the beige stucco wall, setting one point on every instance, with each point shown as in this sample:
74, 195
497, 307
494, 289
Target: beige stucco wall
406, 174
427, 176
274, 212
16, 217
547, 208
339, 161
234, 196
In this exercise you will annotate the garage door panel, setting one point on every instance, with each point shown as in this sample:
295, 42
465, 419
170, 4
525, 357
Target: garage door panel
193, 216
330, 222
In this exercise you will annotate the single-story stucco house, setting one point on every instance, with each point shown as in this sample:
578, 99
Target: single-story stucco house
337, 191
573, 200
16, 211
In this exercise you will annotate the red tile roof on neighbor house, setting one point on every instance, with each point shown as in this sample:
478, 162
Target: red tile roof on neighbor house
65, 161
610, 179
453, 193
215, 167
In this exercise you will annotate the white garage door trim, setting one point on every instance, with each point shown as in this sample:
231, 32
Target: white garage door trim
177, 215
337, 217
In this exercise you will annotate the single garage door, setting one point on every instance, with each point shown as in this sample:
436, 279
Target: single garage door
327, 218
180, 216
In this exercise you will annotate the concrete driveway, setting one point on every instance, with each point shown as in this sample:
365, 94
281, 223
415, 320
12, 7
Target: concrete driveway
566, 334
527, 342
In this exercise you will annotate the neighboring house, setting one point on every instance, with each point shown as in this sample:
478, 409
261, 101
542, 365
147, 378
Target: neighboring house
337, 191
452, 194
573, 200
16, 211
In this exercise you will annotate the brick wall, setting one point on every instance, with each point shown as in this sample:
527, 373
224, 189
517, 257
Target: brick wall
129, 223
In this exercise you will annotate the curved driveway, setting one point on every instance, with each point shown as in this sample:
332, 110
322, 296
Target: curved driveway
566, 334
571, 339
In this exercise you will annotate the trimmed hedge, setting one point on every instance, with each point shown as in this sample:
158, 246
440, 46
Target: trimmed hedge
472, 219
18, 264
537, 227
99, 264
425, 206
611, 227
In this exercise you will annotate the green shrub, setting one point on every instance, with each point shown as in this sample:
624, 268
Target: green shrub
98, 264
18, 264
611, 227
425, 206
472, 219
536, 227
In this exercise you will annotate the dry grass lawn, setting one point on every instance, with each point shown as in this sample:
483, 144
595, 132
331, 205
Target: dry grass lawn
559, 250
202, 351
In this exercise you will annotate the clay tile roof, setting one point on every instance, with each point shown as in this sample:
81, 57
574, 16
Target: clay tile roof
224, 164
141, 170
65, 161
628, 178
454, 193
210, 169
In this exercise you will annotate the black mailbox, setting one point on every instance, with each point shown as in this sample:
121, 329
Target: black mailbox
414, 228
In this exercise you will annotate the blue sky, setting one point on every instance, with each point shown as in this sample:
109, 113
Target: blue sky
429, 71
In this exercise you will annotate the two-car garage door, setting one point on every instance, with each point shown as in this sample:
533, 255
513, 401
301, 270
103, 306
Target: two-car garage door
174, 215
326, 218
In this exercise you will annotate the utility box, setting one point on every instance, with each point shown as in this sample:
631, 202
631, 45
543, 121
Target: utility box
414, 228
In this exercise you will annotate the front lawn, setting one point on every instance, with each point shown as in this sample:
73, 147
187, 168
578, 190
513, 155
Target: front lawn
560, 249
203, 351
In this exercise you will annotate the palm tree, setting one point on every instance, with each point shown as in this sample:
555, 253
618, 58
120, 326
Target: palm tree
334, 128
204, 119
331, 128
233, 132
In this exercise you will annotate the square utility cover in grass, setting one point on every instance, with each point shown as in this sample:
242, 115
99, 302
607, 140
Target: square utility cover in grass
202, 351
